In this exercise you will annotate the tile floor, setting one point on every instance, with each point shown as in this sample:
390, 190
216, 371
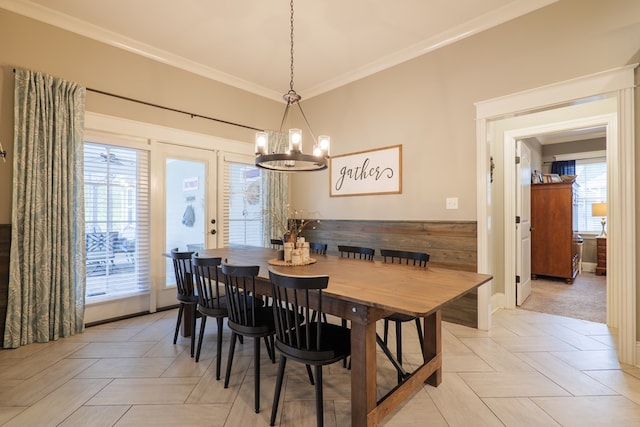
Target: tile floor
531, 369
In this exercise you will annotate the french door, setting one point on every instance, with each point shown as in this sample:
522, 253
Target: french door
146, 197
184, 211
117, 226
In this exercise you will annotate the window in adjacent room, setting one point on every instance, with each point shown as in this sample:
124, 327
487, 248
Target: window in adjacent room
592, 188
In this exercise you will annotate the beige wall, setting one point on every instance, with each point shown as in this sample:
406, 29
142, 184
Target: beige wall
427, 104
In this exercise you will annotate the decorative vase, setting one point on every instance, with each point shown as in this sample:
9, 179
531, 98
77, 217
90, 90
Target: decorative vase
289, 237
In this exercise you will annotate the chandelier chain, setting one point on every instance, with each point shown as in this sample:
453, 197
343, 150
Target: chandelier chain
291, 36
293, 159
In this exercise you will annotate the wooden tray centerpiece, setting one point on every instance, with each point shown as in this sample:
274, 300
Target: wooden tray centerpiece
282, 263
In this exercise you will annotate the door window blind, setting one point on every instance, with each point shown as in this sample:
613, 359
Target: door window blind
117, 221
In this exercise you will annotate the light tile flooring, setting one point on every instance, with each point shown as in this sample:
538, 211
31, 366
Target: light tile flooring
531, 369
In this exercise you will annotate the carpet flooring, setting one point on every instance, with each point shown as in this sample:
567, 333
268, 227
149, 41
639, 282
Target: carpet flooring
585, 299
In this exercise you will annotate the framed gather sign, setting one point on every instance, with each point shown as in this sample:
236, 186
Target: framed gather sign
377, 171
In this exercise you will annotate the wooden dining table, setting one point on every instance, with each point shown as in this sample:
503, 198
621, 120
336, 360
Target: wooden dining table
364, 292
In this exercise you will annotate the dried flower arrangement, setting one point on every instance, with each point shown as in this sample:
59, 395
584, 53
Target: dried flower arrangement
290, 226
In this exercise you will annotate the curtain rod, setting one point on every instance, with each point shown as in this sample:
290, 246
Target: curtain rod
192, 115
149, 104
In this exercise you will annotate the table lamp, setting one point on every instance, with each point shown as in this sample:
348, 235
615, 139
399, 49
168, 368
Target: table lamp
600, 209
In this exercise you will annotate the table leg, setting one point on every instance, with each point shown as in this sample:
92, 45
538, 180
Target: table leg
185, 325
433, 344
363, 374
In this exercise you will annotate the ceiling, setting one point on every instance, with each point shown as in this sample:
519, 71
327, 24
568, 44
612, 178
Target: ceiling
246, 43
573, 135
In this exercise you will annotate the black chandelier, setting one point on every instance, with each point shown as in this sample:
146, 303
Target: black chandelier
293, 159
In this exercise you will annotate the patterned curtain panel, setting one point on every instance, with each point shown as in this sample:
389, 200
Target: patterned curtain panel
47, 267
276, 190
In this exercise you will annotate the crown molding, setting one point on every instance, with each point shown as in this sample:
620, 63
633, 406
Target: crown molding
510, 11
481, 23
66, 22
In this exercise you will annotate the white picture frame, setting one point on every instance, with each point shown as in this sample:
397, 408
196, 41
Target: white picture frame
377, 171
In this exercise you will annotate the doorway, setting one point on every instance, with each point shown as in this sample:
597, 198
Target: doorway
495, 199
585, 296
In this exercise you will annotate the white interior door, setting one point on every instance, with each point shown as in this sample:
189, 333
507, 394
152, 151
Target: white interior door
523, 229
189, 187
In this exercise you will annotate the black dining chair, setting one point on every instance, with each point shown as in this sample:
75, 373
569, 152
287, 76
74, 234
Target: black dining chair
186, 294
210, 303
318, 248
419, 259
312, 343
358, 252
277, 244
248, 317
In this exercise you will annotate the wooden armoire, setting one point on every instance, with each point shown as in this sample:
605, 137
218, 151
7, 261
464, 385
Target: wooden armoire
554, 236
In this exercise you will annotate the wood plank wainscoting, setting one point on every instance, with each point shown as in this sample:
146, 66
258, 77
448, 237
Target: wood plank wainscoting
5, 244
450, 244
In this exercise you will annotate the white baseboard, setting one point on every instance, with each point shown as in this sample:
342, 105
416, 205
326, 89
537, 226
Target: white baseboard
589, 267
497, 302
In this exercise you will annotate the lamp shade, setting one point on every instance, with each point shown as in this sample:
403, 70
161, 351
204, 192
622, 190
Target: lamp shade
599, 209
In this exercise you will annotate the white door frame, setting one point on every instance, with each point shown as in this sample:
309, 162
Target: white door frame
621, 269
510, 138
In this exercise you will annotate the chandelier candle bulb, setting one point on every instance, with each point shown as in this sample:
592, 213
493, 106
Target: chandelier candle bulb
324, 142
261, 142
295, 140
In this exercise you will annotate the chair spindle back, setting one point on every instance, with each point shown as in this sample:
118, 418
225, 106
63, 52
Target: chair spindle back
183, 271
356, 252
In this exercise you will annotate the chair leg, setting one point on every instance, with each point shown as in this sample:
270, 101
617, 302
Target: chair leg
386, 331
232, 349
175, 335
310, 374
319, 398
420, 334
399, 347
219, 348
272, 342
256, 373
344, 361
276, 395
203, 321
268, 342
193, 329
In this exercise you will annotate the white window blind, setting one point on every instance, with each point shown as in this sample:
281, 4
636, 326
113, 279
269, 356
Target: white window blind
592, 188
242, 204
116, 190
